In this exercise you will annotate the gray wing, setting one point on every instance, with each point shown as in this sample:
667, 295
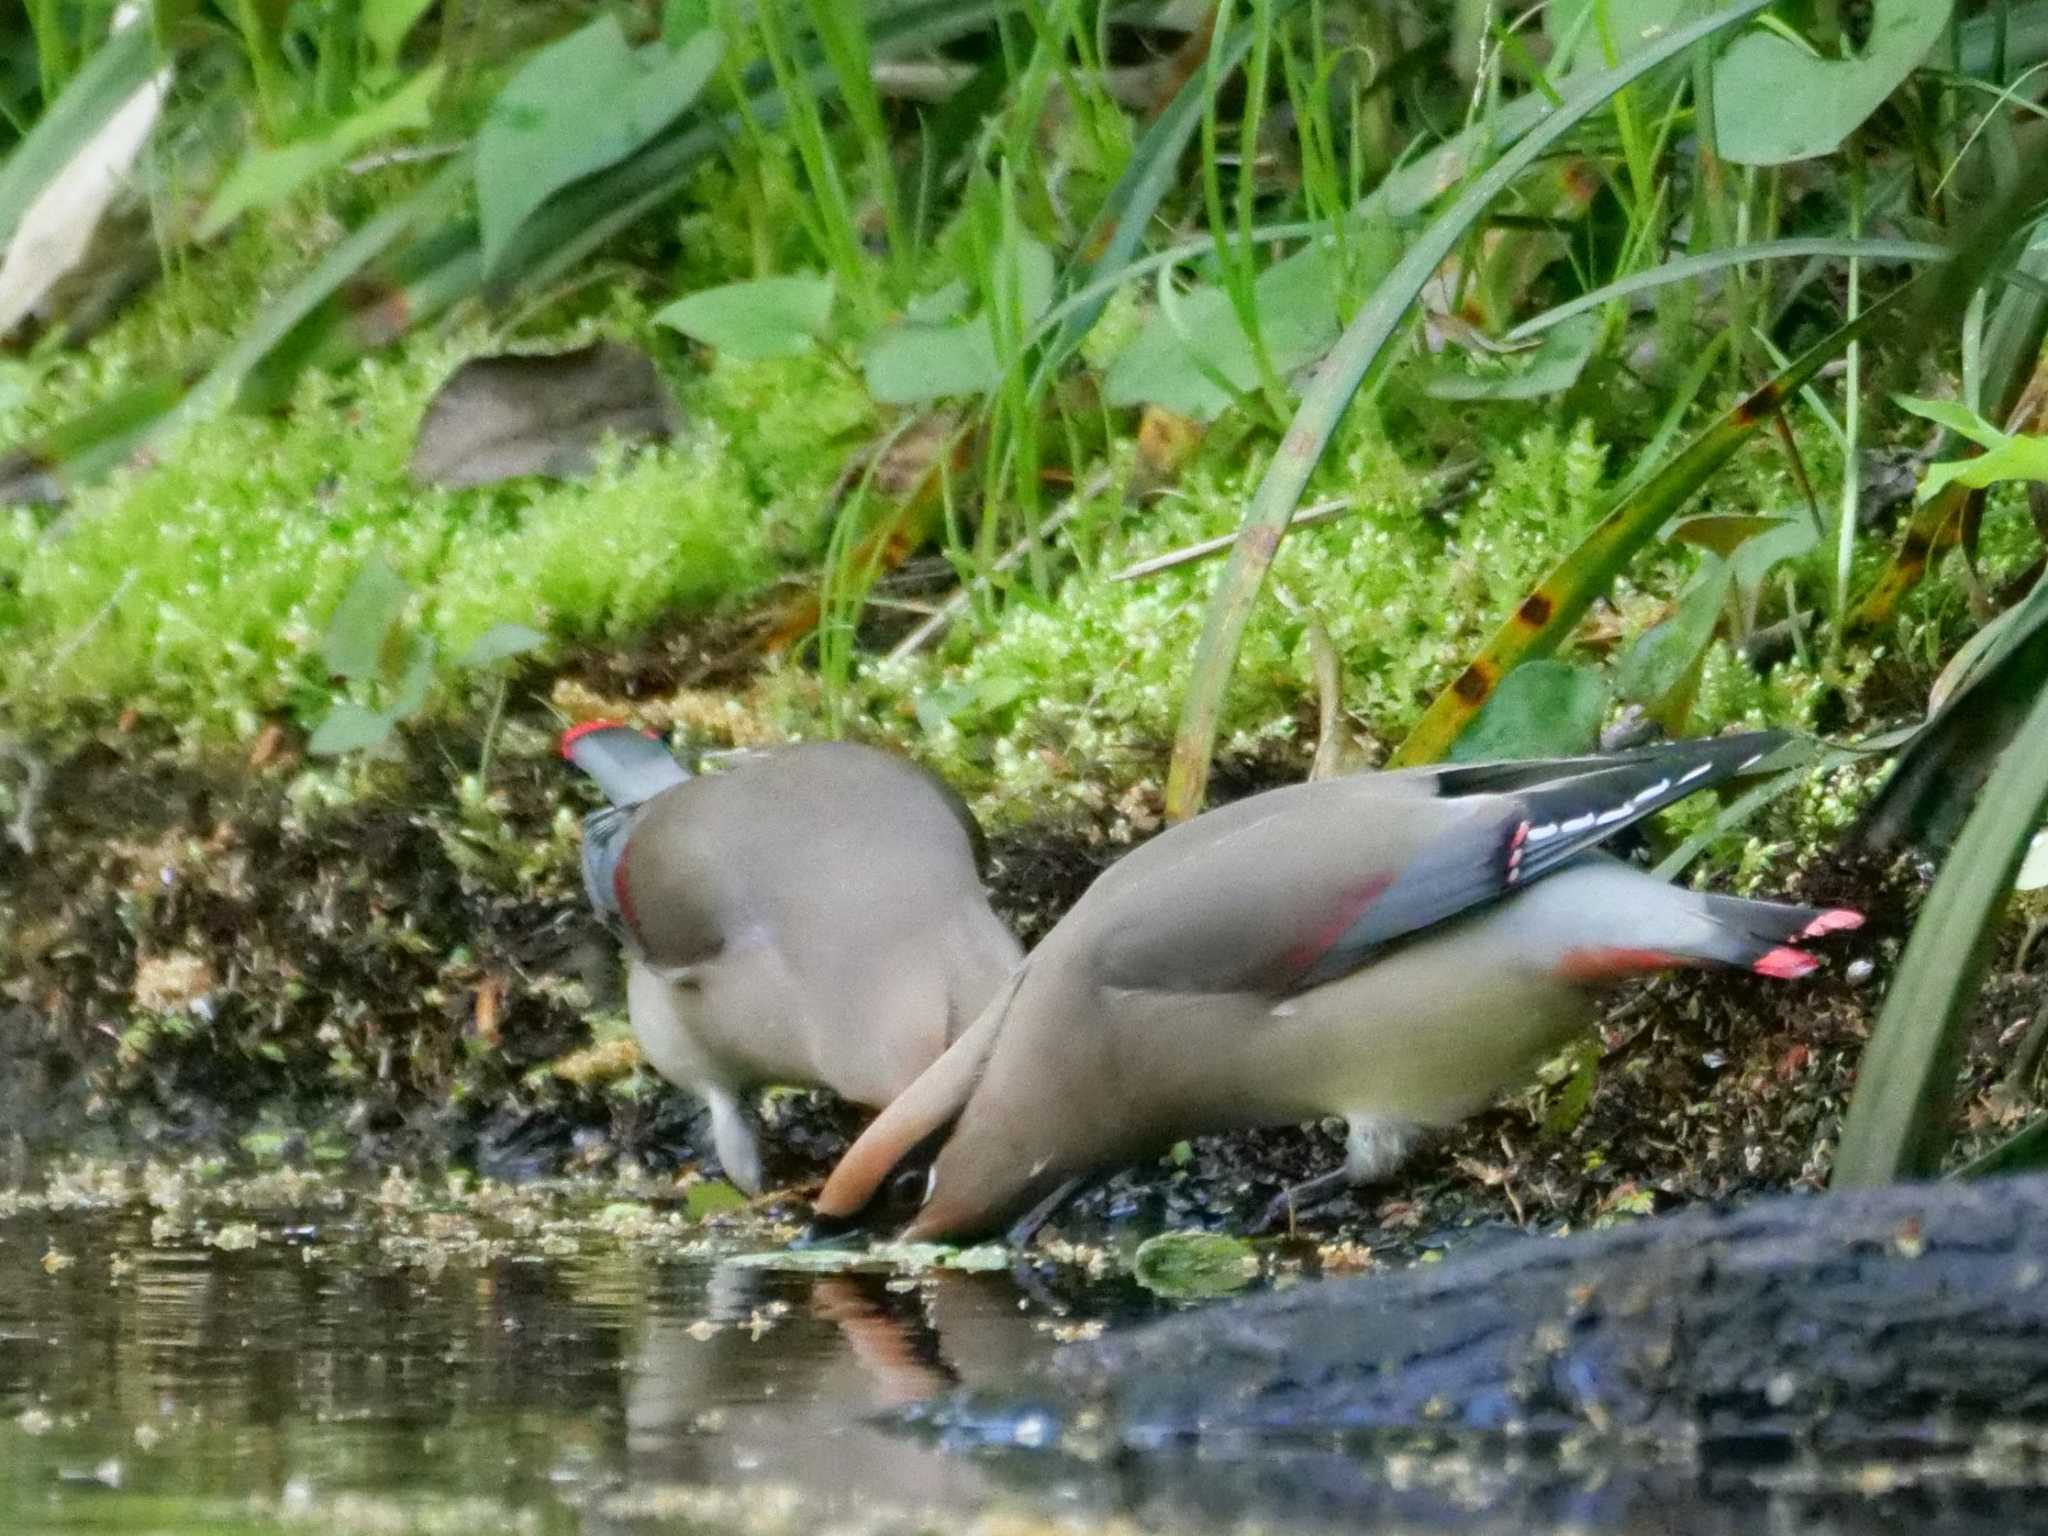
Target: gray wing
1297, 887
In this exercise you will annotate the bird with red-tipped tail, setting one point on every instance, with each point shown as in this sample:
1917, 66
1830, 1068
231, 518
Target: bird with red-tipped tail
1394, 948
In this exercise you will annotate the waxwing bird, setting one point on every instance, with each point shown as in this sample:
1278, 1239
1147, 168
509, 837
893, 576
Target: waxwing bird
812, 917
1393, 947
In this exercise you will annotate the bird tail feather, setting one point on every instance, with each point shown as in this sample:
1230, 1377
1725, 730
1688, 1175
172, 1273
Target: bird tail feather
1766, 936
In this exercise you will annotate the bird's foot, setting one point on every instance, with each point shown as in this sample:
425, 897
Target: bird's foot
1296, 1198
832, 1232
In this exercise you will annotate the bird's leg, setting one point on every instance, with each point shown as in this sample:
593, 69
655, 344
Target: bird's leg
737, 1141
1024, 1231
1299, 1197
1373, 1148
1025, 1228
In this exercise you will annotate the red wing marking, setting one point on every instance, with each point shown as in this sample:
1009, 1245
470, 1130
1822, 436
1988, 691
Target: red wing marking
1348, 911
1595, 964
622, 893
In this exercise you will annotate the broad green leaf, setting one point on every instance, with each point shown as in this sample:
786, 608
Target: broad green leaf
1360, 346
1572, 1101
1658, 671
574, 108
768, 317
1178, 358
1721, 533
915, 362
1189, 1265
585, 216
2006, 456
1774, 101
416, 677
1954, 415
709, 1197
1898, 1121
682, 20
354, 645
2017, 458
265, 177
348, 728
1551, 368
1755, 558
387, 23
501, 642
1541, 709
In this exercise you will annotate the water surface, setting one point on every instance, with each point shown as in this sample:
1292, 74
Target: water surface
286, 1356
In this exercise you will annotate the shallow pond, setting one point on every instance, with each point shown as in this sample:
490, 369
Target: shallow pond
181, 1355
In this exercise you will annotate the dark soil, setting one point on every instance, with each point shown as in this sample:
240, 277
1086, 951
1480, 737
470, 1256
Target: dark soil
190, 957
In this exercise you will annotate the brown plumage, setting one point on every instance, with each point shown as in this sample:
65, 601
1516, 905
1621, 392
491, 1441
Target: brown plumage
1395, 948
812, 917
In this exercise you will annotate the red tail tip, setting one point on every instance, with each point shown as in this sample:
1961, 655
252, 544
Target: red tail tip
1834, 920
576, 733
1786, 964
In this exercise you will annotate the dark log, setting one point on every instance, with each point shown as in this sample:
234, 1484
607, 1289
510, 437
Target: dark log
1905, 1320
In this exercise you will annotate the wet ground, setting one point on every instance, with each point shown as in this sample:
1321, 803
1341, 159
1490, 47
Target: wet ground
181, 1353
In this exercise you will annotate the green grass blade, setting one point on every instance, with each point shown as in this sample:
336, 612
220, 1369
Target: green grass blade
1153, 169
50, 466
1549, 612
1898, 1121
2012, 345
1685, 268
1363, 341
2022, 1152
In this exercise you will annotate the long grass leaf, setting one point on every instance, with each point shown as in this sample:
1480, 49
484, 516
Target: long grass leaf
1153, 169
1898, 1120
1549, 612
2024, 1150
1363, 341
1684, 268
1942, 773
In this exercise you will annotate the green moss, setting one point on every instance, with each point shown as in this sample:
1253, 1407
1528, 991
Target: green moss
1064, 693
196, 588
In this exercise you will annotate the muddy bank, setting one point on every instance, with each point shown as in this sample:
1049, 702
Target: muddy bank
220, 954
